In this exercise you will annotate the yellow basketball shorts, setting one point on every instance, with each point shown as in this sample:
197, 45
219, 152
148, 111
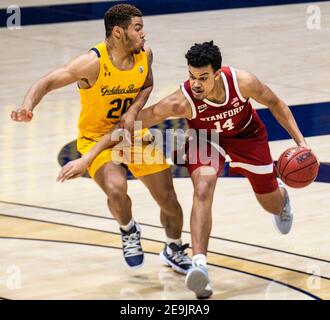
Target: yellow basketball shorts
141, 159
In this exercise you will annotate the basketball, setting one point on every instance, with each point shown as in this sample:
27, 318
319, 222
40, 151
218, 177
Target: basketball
297, 167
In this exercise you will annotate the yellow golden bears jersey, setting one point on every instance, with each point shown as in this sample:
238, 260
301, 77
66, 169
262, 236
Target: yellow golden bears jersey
112, 94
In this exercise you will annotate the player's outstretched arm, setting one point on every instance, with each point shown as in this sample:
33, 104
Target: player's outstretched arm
84, 67
251, 87
174, 105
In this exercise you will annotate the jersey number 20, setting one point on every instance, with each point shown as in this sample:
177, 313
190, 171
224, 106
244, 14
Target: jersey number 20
119, 104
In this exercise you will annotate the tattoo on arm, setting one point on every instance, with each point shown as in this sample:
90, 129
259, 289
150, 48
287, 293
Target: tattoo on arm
150, 79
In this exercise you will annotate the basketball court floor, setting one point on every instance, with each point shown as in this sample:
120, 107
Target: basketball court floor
58, 241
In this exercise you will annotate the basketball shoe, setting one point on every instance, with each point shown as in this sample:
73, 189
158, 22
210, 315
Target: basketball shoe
132, 250
283, 222
174, 256
197, 280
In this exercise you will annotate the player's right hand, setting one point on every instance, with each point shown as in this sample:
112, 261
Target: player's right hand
73, 169
21, 115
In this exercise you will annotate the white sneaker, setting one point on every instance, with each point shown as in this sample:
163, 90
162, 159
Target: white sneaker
283, 222
197, 280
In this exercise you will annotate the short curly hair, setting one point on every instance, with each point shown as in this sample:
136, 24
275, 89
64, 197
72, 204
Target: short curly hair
203, 54
119, 15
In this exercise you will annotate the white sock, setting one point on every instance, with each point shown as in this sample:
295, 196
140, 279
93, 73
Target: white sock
129, 226
199, 260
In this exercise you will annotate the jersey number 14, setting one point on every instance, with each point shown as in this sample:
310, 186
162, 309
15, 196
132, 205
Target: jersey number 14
227, 125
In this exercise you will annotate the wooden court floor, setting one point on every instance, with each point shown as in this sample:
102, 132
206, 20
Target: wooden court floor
58, 241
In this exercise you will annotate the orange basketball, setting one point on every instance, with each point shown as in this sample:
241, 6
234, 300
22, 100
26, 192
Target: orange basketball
297, 167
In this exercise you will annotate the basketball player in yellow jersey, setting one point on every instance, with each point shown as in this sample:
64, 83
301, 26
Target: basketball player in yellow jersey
115, 81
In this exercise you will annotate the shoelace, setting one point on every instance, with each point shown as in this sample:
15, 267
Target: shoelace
286, 216
132, 246
180, 256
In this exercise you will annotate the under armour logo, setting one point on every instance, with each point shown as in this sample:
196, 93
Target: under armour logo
107, 74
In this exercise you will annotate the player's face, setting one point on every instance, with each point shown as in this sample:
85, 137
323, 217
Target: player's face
134, 36
202, 81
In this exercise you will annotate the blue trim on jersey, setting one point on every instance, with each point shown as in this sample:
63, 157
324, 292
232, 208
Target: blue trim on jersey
96, 51
92, 11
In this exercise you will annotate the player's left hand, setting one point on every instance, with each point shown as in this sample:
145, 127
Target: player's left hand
72, 170
127, 122
306, 146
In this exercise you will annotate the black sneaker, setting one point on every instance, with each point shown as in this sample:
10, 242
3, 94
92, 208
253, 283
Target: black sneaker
175, 257
132, 250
